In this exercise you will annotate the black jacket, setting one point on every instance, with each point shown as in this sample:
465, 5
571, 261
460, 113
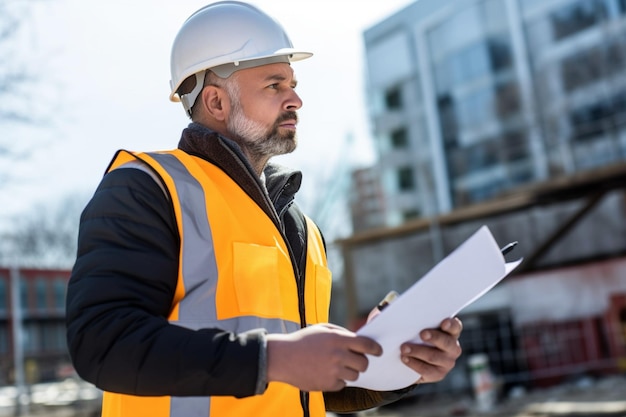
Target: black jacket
123, 282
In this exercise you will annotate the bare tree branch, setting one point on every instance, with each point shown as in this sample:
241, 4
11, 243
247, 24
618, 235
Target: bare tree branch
21, 105
45, 237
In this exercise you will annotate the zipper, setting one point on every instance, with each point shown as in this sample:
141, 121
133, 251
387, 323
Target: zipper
300, 281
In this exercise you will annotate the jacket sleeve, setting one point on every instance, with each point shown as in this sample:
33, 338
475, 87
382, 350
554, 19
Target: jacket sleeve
120, 294
352, 399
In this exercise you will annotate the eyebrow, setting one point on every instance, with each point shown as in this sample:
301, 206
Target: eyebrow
277, 77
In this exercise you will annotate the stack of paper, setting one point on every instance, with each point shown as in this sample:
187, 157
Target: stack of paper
458, 280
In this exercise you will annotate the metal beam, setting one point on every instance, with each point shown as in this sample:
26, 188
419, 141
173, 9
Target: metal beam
562, 230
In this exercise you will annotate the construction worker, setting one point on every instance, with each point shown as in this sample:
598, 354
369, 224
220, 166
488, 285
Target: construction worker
200, 288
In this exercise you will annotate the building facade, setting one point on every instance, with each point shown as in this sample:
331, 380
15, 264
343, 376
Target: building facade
39, 305
471, 99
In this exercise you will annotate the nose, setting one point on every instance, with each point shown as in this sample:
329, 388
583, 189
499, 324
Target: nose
293, 102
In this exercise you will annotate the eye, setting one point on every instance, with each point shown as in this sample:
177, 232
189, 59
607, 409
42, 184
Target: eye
274, 86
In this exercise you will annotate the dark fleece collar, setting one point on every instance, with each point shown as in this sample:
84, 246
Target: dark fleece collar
282, 183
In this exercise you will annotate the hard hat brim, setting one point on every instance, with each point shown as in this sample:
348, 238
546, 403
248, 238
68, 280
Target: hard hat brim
288, 54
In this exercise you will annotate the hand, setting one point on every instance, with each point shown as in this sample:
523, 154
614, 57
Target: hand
435, 359
318, 358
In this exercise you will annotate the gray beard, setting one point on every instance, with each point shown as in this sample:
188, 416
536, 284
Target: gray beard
256, 139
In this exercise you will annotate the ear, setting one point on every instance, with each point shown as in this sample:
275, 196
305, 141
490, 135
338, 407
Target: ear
215, 102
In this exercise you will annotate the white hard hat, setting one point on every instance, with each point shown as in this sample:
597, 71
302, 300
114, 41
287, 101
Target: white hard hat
226, 36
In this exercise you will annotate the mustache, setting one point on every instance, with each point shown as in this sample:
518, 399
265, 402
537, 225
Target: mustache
288, 115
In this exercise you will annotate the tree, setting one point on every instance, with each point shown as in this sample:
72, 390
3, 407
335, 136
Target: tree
45, 237
12, 74
21, 103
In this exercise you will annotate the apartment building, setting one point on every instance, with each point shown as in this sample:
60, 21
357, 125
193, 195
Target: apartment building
472, 99
38, 303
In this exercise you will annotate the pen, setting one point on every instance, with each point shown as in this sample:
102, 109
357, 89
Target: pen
391, 295
508, 248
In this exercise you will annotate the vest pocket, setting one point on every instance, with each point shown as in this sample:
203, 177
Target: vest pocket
323, 282
256, 280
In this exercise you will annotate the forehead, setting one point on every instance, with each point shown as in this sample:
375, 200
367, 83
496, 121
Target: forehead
271, 72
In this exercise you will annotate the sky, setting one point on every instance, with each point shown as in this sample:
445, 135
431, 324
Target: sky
103, 84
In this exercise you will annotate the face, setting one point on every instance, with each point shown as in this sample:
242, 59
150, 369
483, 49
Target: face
263, 105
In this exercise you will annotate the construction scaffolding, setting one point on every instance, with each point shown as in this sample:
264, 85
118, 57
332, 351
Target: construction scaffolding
561, 314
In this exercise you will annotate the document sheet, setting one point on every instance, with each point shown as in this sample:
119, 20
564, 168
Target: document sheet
466, 274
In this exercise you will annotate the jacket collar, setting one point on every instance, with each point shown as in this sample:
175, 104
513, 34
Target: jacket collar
281, 183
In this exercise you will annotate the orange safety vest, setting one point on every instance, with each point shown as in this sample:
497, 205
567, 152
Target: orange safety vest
228, 245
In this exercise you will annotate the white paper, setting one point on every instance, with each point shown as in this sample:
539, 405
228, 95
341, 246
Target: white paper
461, 278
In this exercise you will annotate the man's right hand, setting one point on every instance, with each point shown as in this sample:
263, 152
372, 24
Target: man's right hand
318, 358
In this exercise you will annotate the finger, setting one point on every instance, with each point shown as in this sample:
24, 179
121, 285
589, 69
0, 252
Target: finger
452, 326
429, 355
357, 362
427, 372
348, 374
338, 385
432, 363
365, 345
443, 341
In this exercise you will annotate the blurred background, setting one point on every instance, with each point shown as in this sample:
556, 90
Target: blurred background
423, 120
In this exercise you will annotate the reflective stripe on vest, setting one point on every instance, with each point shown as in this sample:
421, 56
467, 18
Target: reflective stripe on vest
211, 209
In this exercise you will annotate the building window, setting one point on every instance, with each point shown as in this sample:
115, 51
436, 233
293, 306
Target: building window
3, 295
486, 191
482, 155
400, 138
507, 99
4, 339
41, 293
54, 336
475, 158
448, 120
477, 108
616, 57
577, 17
582, 68
59, 293
596, 119
32, 337
457, 162
24, 293
479, 59
594, 64
410, 214
499, 53
515, 146
393, 98
406, 180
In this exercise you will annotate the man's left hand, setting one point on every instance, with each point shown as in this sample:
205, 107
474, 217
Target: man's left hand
434, 359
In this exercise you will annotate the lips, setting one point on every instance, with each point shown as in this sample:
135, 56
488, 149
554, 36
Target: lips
289, 124
288, 120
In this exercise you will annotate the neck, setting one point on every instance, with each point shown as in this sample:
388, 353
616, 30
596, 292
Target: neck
258, 162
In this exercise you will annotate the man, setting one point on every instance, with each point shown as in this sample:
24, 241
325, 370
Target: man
200, 289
